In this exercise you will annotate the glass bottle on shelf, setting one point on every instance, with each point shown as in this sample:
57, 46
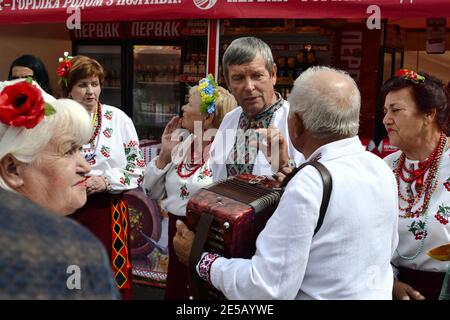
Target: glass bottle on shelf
176, 76
146, 74
113, 81
187, 65
106, 82
139, 73
194, 64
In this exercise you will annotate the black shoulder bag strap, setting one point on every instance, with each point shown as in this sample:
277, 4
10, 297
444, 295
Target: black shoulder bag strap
327, 187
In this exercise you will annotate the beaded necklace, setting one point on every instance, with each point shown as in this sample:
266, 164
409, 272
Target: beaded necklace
188, 168
89, 153
424, 189
97, 118
425, 205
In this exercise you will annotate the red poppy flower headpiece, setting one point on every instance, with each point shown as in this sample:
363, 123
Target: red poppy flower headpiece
65, 64
22, 105
410, 75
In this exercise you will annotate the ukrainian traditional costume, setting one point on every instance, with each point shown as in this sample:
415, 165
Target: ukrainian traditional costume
424, 213
113, 153
176, 183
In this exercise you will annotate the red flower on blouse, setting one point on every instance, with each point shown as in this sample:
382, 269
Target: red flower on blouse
21, 105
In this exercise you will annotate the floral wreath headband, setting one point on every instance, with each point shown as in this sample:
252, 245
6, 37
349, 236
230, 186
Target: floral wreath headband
22, 105
208, 94
410, 75
65, 64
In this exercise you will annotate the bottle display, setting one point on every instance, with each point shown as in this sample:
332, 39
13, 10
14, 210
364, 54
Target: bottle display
156, 93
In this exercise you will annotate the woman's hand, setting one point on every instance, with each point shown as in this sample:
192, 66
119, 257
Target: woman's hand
403, 291
96, 184
168, 142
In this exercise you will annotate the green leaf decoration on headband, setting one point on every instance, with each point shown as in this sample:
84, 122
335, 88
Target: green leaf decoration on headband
208, 94
410, 75
49, 110
29, 80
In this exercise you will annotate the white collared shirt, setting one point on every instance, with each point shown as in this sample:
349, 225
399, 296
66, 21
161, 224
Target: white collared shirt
349, 258
226, 136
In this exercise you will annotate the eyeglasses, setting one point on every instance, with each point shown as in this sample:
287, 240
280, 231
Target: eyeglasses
22, 77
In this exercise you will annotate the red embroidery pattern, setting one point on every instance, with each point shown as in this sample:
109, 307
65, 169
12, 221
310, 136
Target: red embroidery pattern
205, 266
443, 214
447, 184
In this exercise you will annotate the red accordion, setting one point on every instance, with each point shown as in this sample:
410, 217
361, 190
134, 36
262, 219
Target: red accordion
240, 207
228, 216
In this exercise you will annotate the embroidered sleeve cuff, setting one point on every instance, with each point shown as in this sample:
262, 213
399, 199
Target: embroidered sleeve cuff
204, 266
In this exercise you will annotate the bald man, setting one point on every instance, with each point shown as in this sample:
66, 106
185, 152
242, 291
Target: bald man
349, 257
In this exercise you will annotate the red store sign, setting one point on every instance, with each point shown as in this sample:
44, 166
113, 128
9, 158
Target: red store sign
47, 11
156, 29
99, 30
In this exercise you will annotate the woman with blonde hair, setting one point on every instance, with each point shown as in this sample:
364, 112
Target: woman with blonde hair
182, 168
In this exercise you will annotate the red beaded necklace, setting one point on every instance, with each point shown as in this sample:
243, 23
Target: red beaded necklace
188, 167
424, 187
419, 173
98, 114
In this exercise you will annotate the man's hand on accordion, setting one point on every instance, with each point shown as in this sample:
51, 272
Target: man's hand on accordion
182, 242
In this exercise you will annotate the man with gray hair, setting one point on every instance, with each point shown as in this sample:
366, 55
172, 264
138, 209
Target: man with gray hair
250, 74
349, 257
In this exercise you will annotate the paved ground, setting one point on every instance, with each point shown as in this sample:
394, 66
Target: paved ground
142, 292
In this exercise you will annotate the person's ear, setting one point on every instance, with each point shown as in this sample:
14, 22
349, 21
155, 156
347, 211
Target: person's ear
430, 116
296, 127
208, 121
9, 171
274, 74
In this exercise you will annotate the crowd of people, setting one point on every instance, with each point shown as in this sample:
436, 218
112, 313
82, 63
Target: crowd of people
66, 163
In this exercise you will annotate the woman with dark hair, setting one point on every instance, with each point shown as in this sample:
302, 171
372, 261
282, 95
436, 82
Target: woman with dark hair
416, 119
29, 66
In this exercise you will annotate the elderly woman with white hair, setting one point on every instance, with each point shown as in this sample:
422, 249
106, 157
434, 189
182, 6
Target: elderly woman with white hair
40, 147
42, 179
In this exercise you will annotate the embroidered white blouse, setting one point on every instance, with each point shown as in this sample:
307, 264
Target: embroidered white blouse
115, 152
175, 190
349, 257
226, 136
420, 234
